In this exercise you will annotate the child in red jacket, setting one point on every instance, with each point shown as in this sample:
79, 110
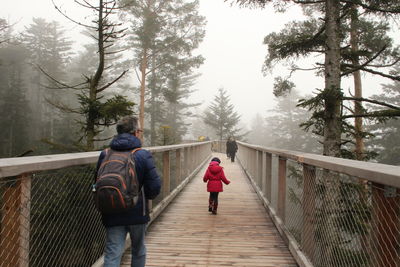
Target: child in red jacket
215, 176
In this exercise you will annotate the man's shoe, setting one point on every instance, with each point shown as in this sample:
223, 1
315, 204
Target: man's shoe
209, 209
214, 212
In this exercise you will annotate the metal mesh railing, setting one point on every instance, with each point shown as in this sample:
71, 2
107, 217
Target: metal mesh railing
333, 219
48, 219
340, 220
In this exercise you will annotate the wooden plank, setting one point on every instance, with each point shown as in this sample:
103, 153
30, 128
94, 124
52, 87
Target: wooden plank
241, 234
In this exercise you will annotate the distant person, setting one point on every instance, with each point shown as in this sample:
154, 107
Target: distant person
124, 147
214, 177
231, 148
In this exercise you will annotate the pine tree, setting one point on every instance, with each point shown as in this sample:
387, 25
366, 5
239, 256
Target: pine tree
221, 116
386, 130
98, 110
15, 119
330, 36
284, 125
50, 51
164, 35
258, 133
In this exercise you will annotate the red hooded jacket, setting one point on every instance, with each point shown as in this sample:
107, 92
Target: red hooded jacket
215, 176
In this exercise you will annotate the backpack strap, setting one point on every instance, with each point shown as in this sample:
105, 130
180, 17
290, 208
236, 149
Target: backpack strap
141, 189
136, 149
106, 158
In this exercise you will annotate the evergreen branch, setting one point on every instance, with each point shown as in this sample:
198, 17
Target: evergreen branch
111, 83
166, 46
115, 52
395, 78
69, 18
386, 65
348, 109
62, 85
62, 106
372, 8
75, 87
156, 67
88, 5
293, 69
383, 114
365, 63
373, 101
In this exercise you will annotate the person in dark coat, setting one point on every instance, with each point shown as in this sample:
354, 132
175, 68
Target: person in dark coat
231, 148
214, 177
133, 221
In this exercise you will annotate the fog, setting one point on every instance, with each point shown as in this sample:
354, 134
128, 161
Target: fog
232, 48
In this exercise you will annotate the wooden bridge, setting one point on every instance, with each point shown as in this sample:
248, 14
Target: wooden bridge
186, 234
282, 209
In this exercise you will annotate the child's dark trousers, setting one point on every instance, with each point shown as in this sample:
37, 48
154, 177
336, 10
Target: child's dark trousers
213, 202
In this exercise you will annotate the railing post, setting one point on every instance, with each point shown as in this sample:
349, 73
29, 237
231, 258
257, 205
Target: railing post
166, 174
191, 159
268, 176
308, 230
257, 168
385, 226
196, 156
15, 223
260, 168
254, 165
178, 166
186, 162
282, 188
263, 173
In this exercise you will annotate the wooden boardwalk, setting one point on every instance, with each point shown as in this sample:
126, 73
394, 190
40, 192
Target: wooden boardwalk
242, 234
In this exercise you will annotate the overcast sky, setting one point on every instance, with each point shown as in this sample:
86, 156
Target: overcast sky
232, 48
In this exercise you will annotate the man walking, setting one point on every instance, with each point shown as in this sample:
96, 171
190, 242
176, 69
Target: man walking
231, 148
132, 221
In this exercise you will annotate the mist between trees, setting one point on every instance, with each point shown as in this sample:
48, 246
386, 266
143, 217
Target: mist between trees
139, 59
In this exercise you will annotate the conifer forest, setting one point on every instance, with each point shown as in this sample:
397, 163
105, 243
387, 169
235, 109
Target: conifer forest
65, 81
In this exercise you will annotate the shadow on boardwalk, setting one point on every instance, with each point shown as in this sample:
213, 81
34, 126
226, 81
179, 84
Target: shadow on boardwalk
242, 234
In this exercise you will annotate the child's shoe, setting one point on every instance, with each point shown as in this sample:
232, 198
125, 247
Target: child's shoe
214, 210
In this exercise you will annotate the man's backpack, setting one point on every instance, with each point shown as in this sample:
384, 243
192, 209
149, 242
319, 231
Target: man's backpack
117, 187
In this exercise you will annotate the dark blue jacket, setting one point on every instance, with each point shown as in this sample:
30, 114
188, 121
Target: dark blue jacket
147, 176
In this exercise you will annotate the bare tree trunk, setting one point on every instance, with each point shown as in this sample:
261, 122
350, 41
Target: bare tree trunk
332, 92
143, 68
332, 134
358, 123
94, 81
153, 98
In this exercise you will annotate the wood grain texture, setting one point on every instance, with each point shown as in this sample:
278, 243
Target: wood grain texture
241, 234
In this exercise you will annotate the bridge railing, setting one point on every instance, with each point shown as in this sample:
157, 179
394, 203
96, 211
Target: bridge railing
47, 215
330, 211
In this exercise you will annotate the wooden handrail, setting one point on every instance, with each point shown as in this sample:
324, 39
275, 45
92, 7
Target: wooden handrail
374, 172
16, 166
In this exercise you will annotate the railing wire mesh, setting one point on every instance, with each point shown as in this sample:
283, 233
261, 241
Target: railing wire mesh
333, 219
52, 216
340, 220
48, 218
